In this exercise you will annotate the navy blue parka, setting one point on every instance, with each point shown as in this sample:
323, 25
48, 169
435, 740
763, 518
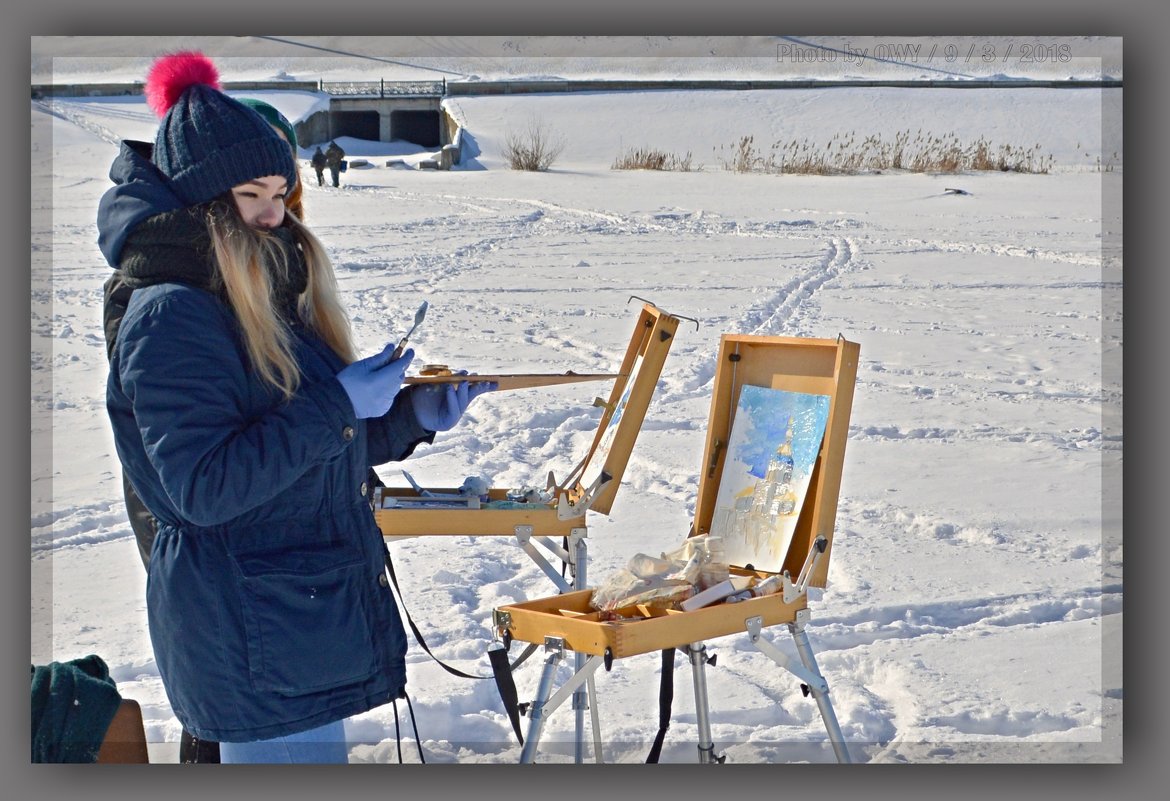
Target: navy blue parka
268, 604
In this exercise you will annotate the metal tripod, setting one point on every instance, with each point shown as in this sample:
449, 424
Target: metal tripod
584, 692
807, 671
813, 682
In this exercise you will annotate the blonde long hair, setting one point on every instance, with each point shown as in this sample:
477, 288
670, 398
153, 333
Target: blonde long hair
245, 256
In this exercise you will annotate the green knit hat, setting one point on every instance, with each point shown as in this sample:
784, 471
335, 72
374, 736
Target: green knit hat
274, 117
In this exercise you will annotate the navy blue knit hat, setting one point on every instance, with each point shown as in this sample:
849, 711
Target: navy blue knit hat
207, 142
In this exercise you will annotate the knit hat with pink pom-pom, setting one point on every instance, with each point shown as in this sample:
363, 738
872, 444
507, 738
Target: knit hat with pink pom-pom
207, 142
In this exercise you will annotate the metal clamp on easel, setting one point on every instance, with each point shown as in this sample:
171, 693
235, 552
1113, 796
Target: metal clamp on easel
800, 588
567, 510
575, 556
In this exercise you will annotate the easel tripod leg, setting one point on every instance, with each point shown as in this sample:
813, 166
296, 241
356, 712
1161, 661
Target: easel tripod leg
585, 697
544, 690
820, 693
698, 654
579, 704
596, 723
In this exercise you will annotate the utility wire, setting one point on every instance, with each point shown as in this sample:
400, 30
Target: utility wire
358, 55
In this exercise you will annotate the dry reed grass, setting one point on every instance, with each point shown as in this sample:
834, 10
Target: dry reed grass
845, 154
644, 158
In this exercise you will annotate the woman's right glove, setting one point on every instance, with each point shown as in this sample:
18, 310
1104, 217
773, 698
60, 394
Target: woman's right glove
372, 383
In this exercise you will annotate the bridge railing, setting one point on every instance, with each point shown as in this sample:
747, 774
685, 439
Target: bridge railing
383, 88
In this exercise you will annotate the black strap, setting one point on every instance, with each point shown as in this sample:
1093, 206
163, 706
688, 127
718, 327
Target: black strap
413, 725
418, 634
665, 697
397, 730
527, 652
501, 670
507, 687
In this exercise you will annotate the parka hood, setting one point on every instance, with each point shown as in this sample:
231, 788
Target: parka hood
140, 191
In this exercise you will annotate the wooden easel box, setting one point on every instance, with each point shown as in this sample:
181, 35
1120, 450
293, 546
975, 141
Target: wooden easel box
796, 364
650, 343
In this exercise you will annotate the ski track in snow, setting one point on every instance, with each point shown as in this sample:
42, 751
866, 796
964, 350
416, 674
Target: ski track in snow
1015, 251
83, 117
779, 314
1075, 439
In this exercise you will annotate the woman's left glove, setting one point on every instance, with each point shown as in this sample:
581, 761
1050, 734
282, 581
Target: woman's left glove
438, 407
372, 383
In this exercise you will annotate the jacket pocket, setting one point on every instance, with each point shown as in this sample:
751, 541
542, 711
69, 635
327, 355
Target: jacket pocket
306, 622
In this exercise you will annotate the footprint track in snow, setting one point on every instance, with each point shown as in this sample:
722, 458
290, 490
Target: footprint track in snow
776, 314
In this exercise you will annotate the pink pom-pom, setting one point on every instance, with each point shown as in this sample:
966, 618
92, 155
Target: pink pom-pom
170, 75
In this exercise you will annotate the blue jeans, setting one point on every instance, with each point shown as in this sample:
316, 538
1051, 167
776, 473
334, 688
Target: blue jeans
320, 746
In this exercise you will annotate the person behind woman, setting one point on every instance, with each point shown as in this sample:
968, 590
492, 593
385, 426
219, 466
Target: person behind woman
248, 427
293, 200
141, 192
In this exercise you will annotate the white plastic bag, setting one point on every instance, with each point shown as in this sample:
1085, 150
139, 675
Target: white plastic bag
666, 580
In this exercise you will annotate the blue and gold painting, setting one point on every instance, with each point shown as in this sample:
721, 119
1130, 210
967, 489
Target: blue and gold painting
775, 438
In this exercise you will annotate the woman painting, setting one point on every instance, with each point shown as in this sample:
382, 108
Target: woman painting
247, 426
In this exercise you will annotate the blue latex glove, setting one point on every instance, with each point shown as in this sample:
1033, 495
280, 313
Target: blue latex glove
372, 383
438, 407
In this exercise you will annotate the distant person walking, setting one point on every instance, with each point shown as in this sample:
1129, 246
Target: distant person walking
318, 163
333, 156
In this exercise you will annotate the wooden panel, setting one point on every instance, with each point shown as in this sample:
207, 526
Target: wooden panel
532, 621
818, 516
125, 740
511, 381
658, 330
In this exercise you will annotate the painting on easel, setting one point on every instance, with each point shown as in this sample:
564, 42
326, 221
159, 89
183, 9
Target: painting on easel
775, 438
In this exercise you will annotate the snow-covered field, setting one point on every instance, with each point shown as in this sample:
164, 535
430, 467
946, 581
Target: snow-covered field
973, 608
